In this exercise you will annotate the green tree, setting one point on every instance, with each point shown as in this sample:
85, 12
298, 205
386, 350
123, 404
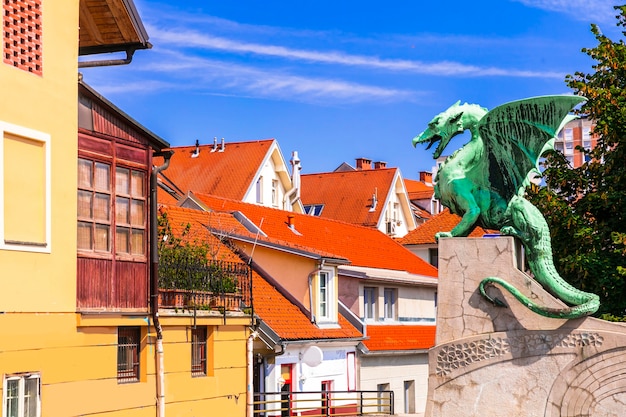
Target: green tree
586, 207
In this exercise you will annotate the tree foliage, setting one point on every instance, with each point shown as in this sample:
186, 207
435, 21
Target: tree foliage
586, 207
188, 262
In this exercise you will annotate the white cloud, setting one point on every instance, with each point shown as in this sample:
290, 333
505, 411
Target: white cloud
198, 40
208, 76
592, 11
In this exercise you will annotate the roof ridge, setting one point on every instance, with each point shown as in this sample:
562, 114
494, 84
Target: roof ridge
351, 172
227, 143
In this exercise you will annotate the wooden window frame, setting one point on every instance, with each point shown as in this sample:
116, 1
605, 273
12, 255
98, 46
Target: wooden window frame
115, 222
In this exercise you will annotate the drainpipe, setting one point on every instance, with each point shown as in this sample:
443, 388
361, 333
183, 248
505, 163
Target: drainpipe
109, 62
250, 374
315, 271
154, 283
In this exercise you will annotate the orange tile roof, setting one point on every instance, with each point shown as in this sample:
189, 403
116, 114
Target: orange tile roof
442, 222
228, 174
362, 246
199, 221
417, 190
399, 337
287, 320
347, 195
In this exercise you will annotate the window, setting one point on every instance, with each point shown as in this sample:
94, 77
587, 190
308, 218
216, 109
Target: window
25, 189
313, 209
409, 397
390, 304
586, 132
275, 193
569, 134
433, 257
369, 303
323, 294
99, 197
128, 339
22, 395
259, 190
396, 212
199, 351
325, 301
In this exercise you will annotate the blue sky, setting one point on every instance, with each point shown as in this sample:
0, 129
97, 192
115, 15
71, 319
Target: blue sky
336, 80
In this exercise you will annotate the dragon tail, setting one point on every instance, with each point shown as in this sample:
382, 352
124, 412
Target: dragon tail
581, 310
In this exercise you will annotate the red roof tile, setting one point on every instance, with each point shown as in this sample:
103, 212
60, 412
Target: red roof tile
399, 337
417, 190
347, 195
442, 222
199, 222
228, 174
362, 246
287, 320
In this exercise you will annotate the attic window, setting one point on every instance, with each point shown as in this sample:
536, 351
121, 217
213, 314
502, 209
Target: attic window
21, 40
313, 209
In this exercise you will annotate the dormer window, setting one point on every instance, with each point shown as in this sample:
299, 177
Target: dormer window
326, 297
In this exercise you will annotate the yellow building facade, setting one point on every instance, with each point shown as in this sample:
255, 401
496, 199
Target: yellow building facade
56, 358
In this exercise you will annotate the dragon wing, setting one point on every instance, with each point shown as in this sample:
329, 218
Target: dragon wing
516, 134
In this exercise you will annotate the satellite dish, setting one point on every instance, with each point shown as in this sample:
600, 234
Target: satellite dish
313, 356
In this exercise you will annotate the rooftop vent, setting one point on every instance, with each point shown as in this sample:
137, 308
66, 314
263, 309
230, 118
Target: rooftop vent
196, 151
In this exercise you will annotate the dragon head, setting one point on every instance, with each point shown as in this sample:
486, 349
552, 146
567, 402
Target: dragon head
442, 129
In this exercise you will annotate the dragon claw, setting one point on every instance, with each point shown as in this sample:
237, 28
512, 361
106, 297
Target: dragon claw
439, 235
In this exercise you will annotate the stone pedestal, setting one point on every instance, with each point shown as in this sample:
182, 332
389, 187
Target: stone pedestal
508, 361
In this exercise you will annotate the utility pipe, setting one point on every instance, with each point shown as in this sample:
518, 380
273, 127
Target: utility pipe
315, 271
250, 374
154, 283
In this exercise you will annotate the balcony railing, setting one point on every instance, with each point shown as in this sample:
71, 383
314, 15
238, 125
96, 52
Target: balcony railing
323, 403
214, 285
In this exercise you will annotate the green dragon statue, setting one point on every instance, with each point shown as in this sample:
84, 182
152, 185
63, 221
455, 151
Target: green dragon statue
485, 181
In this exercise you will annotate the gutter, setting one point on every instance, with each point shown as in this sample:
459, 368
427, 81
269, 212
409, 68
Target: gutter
154, 283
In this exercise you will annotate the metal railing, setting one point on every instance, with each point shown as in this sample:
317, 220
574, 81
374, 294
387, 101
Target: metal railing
323, 403
214, 284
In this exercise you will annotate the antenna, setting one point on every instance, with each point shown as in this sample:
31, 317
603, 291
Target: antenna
255, 240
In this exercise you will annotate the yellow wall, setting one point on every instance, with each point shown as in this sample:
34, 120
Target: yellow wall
81, 363
45, 281
76, 355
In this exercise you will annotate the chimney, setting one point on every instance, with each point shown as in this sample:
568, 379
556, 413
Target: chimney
214, 144
223, 146
196, 152
363, 163
380, 164
426, 177
290, 218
